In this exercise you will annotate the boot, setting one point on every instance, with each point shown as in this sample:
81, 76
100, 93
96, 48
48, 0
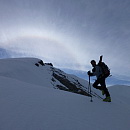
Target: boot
107, 99
103, 92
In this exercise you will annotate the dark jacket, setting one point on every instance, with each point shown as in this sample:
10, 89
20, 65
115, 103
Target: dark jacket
97, 71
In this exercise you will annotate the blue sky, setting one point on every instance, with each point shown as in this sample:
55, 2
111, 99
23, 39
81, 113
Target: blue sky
68, 33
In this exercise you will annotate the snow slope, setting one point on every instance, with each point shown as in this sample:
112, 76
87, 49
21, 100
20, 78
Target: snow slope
28, 101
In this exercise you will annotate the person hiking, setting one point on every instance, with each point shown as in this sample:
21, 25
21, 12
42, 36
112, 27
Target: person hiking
97, 71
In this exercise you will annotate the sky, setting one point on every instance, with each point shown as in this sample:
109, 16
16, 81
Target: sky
68, 33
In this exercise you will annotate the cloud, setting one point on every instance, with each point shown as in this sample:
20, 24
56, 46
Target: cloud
46, 45
68, 33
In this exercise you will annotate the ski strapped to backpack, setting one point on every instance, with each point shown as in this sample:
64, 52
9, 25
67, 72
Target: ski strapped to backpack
104, 67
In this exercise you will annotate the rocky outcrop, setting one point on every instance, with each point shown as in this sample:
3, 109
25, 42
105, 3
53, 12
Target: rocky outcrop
61, 80
72, 86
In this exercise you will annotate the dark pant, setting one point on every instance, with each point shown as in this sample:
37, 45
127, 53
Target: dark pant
102, 86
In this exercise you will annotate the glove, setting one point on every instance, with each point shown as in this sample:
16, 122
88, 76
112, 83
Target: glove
90, 74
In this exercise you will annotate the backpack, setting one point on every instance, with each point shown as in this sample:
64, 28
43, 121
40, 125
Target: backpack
105, 69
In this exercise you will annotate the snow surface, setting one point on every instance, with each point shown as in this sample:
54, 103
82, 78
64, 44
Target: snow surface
28, 101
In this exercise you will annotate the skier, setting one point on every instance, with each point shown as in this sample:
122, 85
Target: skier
97, 71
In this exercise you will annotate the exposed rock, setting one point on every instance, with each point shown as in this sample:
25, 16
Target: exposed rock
37, 64
74, 87
41, 62
49, 64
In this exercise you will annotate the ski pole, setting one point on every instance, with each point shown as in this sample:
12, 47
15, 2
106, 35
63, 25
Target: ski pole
90, 90
89, 85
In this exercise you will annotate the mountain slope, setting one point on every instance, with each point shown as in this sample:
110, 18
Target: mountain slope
34, 71
27, 105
